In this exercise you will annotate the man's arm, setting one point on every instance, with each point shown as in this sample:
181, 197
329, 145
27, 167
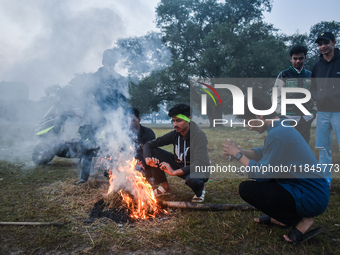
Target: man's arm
155, 143
250, 154
168, 169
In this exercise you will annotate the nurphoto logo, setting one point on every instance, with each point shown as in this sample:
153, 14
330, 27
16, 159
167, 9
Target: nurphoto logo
229, 94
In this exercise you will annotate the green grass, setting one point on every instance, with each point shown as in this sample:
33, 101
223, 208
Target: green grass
48, 194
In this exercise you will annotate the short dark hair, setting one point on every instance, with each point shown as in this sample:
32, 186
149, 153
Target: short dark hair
135, 112
297, 49
258, 104
180, 109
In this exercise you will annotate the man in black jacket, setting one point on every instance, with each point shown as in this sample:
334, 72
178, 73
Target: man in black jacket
296, 76
144, 134
326, 91
190, 151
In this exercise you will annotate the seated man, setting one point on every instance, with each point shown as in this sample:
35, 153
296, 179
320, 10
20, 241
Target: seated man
187, 154
144, 134
291, 196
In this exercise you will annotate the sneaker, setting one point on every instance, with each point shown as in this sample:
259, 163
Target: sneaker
197, 199
160, 191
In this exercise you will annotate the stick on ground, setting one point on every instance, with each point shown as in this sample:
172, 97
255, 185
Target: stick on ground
213, 207
32, 223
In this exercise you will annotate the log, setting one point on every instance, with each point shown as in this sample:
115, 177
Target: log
206, 207
32, 223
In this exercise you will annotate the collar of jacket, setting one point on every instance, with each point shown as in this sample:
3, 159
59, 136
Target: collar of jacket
294, 70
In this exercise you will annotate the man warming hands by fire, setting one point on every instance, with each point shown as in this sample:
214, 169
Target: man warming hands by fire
184, 158
289, 187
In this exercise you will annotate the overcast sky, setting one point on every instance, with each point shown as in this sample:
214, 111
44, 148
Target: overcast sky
46, 42
291, 16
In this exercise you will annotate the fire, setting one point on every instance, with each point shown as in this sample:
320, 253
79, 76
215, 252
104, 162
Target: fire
137, 193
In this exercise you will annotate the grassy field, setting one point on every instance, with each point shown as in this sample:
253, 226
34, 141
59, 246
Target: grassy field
32, 193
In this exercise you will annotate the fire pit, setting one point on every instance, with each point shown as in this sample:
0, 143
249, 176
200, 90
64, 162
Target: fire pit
115, 208
129, 198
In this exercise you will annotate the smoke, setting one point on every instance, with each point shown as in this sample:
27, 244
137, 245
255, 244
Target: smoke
45, 43
71, 39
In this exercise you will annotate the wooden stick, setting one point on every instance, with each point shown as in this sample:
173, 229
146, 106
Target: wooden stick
213, 207
32, 223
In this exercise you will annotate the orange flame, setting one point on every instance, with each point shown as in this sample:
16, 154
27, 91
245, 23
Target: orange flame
138, 195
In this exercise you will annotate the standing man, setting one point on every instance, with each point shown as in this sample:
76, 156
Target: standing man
296, 76
288, 197
326, 92
190, 150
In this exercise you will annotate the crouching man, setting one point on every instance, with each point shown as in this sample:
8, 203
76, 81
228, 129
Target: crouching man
289, 187
190, 150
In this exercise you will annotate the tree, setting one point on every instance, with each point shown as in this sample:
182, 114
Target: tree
186, 24
142, 55
161, 87
211, 39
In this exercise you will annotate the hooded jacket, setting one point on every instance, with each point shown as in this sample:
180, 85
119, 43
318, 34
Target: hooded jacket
188, 154
326, 83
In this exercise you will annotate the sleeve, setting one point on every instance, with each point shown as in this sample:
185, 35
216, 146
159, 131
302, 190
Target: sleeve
258, 151
158, 142
198, 155
272, 155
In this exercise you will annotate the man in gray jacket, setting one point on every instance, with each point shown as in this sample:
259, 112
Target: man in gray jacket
190, 151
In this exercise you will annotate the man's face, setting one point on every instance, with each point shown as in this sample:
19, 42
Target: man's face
135, 122
298, 60
180, 125
326, 47
257, 124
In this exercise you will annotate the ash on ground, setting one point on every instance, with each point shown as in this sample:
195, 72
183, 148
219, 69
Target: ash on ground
118, 214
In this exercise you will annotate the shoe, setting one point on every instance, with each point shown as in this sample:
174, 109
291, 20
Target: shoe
81, 181
266, 220
106, 174
160, 191
297, 237
197, 199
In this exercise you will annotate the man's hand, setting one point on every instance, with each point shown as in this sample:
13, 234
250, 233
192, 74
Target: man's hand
153, 162
168, 169
230, 148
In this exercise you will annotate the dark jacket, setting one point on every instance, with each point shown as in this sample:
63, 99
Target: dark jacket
145, 134
291, 78
326, 87
187, 153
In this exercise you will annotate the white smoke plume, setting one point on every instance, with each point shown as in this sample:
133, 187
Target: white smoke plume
44, 43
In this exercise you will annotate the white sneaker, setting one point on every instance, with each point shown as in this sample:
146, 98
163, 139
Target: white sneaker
200, 199
160, 191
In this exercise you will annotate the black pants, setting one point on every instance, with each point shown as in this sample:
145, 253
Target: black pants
86, 164
196, 184
272, 199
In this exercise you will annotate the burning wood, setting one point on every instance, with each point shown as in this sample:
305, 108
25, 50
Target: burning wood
130, 197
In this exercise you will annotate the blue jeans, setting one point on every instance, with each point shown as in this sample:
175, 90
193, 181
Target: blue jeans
325, 122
